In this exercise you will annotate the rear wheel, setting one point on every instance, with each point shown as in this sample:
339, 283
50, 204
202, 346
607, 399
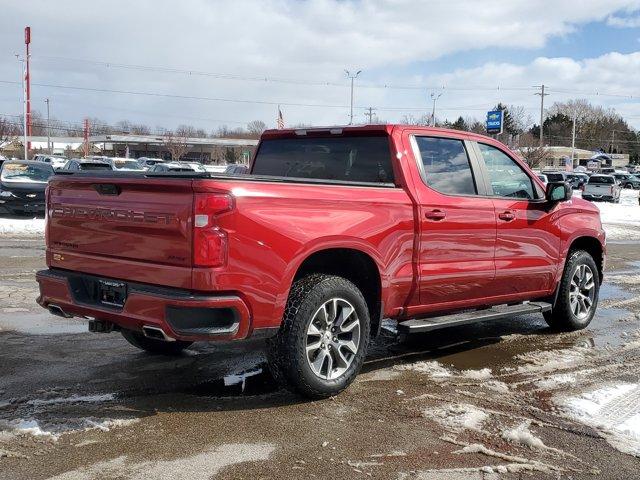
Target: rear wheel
323, 339
577, 298
151, 345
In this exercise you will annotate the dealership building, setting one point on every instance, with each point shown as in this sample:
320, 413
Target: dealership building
205, 150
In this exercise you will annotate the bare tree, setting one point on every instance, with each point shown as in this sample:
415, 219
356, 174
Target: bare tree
176, 144
256, 127
531, 150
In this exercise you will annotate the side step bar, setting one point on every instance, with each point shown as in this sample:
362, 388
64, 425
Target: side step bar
497, 312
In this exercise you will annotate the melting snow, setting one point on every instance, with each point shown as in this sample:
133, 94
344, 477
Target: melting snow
482, 374
431, 368
522, 435
73, 399
614, 410
458, 417
21, 227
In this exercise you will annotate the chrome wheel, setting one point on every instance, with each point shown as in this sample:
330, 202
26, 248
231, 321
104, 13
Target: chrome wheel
582, 291
333, 338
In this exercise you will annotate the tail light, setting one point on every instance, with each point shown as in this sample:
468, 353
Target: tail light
209, 240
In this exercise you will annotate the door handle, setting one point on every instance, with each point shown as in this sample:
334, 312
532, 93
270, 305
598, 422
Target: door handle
507, 216
435, 215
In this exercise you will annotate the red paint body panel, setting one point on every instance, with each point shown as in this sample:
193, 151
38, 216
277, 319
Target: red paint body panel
468, 258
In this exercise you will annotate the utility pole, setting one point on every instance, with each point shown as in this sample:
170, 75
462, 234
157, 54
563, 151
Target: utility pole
435, 98
46, 100
573, 139
369, 114
542, 95
86, 137
352, 77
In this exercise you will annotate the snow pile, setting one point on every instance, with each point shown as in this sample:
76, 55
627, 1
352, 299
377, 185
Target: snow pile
522, 435
496, 386
22, 227
107, 425
27, 427
457, 417
621, 221
614, 410
432, 368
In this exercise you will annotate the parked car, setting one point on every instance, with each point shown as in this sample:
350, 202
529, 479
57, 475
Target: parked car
126, 164
54, 160
626, 180
556, 176
176, 167
576, 180
237, 169
22, 186
334, 230
602, 187
146, 162
86, 164
543, 178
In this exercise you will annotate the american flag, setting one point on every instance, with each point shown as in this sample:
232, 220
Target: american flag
280, 119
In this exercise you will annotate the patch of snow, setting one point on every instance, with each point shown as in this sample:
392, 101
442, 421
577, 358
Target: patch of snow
107, 425
614, 411
202, 466
27, 427
621, 221
482, 374
496, 386
556, 381
551, 360
432, 368
458, 417
22, 227
522, 435
379, 375
73, 399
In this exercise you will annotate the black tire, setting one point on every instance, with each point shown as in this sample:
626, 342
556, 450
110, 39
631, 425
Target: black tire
151, 345
562, 316
287, 351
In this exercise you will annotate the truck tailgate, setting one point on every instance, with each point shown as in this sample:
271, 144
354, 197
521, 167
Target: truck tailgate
136, 229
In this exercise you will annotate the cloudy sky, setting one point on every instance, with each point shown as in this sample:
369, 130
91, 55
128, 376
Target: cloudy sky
208, 63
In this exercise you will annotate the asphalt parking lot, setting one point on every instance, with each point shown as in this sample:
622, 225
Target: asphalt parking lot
485, 401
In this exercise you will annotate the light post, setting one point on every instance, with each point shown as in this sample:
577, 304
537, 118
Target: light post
352, 77
24, 106
435, 98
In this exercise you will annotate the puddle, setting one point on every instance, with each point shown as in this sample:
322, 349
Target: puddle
41, 324
610, 291
258, 381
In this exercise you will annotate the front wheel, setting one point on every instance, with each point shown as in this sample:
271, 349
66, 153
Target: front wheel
151, 345
323, 339
578, 292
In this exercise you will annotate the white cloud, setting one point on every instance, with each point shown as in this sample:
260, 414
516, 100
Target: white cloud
312, 40
623, 22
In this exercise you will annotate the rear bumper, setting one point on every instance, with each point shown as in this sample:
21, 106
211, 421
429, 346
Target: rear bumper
181, 314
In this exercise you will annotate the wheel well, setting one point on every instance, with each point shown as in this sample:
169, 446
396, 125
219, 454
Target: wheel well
354, 265
592, 246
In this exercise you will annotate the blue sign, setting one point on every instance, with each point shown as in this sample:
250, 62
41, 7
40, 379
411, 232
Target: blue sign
494, 121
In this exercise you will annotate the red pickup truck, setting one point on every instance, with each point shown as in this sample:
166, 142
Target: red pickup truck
333, 230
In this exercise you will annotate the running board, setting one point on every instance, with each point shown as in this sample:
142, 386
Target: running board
497, 312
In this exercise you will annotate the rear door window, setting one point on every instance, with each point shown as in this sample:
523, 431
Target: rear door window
350, 159
446, 165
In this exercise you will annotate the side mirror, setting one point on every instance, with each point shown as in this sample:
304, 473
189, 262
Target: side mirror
558, 192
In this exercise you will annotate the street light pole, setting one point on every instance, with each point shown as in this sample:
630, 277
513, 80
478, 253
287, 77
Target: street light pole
435, 98
352, 77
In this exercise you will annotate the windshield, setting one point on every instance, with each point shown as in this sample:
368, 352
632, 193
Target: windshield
20, 172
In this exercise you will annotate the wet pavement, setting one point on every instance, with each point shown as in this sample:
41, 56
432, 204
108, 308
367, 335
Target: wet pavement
493, 400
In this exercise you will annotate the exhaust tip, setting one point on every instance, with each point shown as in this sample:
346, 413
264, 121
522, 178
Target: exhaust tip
156, 333
57, 311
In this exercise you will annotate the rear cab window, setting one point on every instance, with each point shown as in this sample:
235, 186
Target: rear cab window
601, 180
358, 159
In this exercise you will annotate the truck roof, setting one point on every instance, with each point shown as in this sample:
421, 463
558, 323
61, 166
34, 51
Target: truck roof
385, 128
